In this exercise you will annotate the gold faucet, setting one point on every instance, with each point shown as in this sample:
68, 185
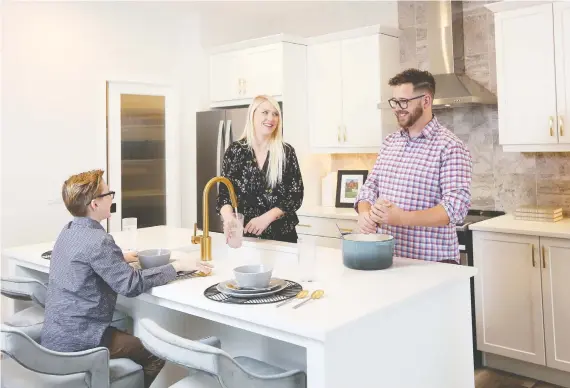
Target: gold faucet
205, 240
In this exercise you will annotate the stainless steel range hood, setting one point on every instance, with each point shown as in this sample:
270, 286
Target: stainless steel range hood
447, 59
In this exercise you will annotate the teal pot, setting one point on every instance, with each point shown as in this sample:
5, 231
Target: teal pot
367, 251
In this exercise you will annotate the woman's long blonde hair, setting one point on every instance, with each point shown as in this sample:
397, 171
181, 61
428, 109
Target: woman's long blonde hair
276, 149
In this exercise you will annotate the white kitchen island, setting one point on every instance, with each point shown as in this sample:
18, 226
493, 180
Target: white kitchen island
406, 326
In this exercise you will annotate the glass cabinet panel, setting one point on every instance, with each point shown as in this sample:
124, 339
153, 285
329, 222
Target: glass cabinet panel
143, 173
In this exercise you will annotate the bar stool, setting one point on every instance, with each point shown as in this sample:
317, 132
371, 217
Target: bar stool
31, 365
31, 319
209, 366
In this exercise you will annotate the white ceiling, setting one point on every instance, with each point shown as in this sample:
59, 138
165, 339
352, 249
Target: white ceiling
225, 22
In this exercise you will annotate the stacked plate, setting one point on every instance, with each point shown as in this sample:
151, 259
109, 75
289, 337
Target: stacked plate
539, 213
231, 288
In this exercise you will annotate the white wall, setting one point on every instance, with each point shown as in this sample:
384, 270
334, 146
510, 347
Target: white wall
228, 21
56, 59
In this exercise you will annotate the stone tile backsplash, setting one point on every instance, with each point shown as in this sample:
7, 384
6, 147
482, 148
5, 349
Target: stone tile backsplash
501, 180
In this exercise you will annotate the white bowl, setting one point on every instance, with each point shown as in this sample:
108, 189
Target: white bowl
256, 276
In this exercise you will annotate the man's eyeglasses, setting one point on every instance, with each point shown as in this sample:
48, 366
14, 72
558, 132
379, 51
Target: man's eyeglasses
111, 193
403, 102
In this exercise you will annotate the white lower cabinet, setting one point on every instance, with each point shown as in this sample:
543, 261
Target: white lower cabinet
556, 301
522, 297
325, 229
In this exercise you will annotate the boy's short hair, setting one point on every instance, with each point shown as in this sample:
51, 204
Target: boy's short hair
79, 190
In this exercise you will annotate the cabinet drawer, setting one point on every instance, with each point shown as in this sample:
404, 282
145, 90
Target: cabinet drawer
325, 227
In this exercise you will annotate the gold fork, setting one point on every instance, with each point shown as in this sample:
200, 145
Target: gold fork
301, 295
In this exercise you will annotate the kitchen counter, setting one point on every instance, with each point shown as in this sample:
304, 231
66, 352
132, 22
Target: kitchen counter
328, 212
366, 319
508, 224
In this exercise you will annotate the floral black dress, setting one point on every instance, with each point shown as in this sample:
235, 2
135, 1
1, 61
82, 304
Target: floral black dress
254, 195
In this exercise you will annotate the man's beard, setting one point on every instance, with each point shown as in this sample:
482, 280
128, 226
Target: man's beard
409, 119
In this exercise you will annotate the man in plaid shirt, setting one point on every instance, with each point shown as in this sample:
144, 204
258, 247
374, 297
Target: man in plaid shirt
419, 188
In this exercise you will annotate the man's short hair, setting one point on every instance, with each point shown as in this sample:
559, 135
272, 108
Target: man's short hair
79, 190
422, 80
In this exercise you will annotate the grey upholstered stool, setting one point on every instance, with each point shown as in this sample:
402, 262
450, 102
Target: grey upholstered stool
31, 319
212, 367
31, 365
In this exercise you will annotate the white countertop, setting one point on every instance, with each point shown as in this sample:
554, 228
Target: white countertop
508, 224
328, 212
349, 295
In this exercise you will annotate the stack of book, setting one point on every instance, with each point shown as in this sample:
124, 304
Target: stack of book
539, 213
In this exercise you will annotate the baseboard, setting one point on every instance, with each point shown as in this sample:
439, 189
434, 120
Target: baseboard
526, 369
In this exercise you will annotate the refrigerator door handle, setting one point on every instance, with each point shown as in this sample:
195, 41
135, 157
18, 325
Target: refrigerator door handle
219, 148
219, 152
228, 134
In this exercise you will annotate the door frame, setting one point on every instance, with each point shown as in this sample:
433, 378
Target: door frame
172, 151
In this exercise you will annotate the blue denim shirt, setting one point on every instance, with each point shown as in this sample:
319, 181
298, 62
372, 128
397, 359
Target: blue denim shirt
87, 271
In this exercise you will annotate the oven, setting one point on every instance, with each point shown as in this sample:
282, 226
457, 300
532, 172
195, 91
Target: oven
465, 238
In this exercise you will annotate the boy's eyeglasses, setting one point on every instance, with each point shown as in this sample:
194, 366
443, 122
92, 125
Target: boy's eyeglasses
111, 193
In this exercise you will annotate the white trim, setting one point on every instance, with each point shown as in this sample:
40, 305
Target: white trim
511, 5
240, 102
527, 369
263, 41
355, 33
536, 147
345, 150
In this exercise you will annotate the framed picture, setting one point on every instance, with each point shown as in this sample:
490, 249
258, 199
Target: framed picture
348, 184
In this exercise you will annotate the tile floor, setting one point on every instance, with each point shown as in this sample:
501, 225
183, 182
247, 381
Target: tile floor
489, 378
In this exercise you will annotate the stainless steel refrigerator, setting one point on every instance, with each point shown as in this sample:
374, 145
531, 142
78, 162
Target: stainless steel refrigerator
215, 131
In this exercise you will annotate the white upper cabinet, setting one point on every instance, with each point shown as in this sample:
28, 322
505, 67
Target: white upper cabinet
325, 109
239, 74
562, 49
532, 75
347, 79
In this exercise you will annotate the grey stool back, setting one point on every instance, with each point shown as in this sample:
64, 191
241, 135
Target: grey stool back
206, 357
31, 319
31, 365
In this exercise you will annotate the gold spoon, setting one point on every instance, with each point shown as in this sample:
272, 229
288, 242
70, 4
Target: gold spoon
301, 295
318, 294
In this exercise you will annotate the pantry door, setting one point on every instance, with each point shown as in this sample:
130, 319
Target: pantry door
143, 154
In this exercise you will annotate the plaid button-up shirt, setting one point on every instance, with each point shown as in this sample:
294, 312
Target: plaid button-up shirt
420, 173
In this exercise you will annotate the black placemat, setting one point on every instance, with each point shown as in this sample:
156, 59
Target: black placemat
288, 292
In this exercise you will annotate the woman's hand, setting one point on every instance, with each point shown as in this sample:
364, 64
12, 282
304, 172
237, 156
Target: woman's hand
229, 222
258, 224
131, 257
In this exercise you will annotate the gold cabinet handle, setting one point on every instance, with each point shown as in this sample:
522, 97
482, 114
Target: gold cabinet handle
533, 261
344, 127
304, 225
345, 230
338, 133
241, 83
561, 125
543, 257
551, 124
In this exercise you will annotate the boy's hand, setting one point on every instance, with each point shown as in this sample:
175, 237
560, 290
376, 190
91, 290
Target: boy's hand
187, 264
131, 257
